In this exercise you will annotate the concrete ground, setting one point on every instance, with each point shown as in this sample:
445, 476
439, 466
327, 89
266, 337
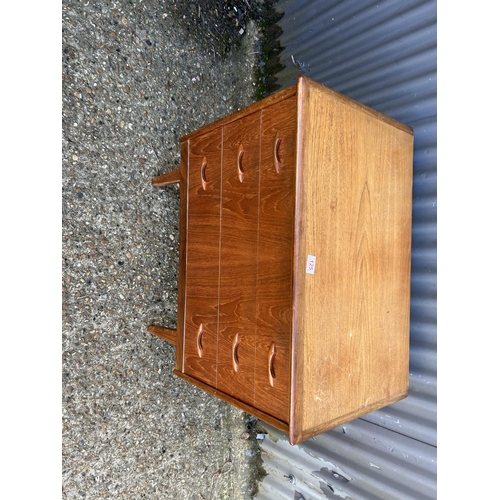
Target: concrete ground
137, 75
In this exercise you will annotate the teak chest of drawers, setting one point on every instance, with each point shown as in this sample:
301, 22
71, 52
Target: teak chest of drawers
294, 269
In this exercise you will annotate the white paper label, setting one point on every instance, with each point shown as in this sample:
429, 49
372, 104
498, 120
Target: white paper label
311, 264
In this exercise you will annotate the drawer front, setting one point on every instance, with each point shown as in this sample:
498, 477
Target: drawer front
238, 272
275, 255
202, 270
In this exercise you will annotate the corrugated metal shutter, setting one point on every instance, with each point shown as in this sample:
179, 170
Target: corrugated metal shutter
382, 54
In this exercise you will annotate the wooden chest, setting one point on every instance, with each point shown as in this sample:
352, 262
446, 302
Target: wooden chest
294, 278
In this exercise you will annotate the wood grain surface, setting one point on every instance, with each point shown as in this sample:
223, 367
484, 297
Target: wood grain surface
275, 257
164, 333
238, 270
248, 408
354, 216
181, 294
203, 245
306, 174
244, 112
172, 177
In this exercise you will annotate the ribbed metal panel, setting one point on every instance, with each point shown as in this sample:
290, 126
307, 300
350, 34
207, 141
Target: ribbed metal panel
359, 460
383, 54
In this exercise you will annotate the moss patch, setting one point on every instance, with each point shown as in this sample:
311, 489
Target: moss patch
269, 64
257, 471
220, 26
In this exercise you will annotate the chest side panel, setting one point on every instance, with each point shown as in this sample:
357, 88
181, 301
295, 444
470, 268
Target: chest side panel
355, 219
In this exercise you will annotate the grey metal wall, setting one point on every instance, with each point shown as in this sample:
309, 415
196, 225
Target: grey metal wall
382, 54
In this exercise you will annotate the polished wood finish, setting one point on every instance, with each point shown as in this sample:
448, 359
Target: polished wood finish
294, 278
238, 271
270, 419
252, 108
164, 333
202, 270
352, 314
173, 177
181, 297
275, 258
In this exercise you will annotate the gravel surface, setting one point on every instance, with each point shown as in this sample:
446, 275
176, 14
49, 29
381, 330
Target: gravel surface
137, 75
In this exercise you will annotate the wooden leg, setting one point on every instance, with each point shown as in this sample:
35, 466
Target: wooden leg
172, 177
164, 333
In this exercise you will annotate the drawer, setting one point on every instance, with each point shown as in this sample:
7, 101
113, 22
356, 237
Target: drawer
238, 269
240, 256
275, 256
202, 254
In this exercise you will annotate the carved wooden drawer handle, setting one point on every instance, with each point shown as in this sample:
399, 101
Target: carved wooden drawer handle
199, 341
204, 173
241, 174
277, 159
270, 364
236, 343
